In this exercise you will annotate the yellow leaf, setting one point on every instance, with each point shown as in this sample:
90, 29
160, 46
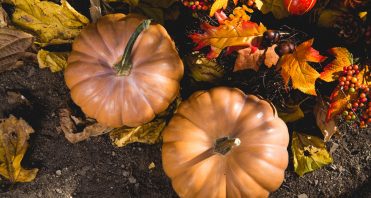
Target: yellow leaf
55, 61
14, 134
343, 58
291, 114
275, 6
295, 67
149, 133
309, 153
53, 23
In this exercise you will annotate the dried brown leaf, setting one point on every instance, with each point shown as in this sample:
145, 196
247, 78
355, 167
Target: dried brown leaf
328, 128
69, 129
253, 58
13, 44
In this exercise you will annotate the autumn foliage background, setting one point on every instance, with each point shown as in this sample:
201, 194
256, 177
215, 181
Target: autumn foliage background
223, 45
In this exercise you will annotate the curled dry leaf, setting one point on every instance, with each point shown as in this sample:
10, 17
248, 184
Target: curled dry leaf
13, 44
235, 32
55, 61
14, 134
53, 23
343, 58
328, 128
309, 153
253, 58
149, 133
69, 128
295, 67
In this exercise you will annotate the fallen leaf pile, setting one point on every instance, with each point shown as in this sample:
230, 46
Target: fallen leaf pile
14, 134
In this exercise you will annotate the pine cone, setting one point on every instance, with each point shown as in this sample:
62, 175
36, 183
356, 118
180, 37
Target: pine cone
348, 27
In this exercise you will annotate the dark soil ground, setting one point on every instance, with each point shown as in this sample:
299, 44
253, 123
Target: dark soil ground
96, 168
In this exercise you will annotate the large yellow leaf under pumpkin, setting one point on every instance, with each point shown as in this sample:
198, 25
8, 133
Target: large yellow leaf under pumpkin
14, 134
55, 61
53, 23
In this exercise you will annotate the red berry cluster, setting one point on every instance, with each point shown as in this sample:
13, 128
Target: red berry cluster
349, 81
197, 5
358, 109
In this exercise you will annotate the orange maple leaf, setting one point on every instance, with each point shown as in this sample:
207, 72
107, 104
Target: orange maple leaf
339, 100
236, 31
343, 58
295, 67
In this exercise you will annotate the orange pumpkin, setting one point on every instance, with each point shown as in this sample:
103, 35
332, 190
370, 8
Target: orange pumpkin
223, 143
123, 70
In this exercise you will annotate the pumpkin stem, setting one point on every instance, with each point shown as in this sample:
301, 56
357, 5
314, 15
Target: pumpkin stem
225, 144
124, 66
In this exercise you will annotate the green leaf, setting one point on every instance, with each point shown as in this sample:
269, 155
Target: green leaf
55, 61
52, 23
309, 152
